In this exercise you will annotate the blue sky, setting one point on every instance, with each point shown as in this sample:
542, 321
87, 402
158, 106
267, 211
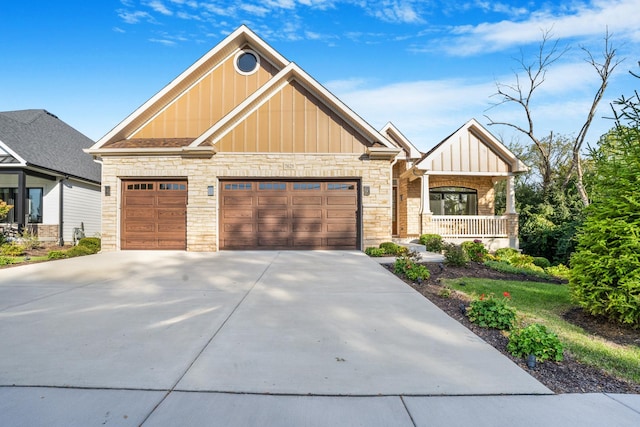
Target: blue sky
428, 66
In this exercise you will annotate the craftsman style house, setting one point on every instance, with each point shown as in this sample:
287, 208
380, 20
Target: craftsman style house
53, 186
245, 150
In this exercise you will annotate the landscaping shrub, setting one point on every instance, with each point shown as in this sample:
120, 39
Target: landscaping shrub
432, 242
375, 252
58, 254
560, 271
80, 250
6, 260
12, 249
391, 248
541, 262
475, 250
94, 243
505, 267
491, 312
505, 254
455, 256
407, 267
536, 340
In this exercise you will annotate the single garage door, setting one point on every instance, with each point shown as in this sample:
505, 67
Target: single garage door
154, 215
289, 215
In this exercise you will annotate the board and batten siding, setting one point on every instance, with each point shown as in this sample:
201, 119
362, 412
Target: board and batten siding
81, 206
466, 153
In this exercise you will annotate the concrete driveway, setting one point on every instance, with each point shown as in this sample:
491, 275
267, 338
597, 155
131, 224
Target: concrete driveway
155, 337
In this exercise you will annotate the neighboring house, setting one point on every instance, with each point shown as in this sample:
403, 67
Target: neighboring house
52, 184
244, 150
450, 190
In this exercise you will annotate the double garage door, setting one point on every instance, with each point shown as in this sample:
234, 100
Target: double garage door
254, 214
288, 215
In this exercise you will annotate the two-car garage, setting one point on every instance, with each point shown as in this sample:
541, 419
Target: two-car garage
253, 214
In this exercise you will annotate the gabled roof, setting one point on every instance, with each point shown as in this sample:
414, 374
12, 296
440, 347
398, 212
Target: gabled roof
241, 38
290, 73
484, 137
37, 138
394, 135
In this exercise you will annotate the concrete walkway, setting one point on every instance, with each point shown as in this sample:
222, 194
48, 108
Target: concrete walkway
255, 338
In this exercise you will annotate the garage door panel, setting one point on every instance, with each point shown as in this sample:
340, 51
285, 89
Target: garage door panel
307, 213
340, 200
237, 200
306, 201
165, 213
138, 214
273, 201
308, 242
289, 214
140, 201
173, 201
238, 213
140, 227
311, 227
273, 228
239, 228
272, 213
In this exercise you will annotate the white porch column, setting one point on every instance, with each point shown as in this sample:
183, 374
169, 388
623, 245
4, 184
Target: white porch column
425, 207
511, 194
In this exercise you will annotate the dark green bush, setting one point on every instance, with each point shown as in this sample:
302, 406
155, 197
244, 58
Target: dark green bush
455, 256
432, 242
490, 312
541, 262
79, 250
57, 254
94, 243
536, 340
475, 250
375, 252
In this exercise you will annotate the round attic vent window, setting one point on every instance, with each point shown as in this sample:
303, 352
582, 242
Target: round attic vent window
247, 62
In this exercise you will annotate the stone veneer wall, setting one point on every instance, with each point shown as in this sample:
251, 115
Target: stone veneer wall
202, 210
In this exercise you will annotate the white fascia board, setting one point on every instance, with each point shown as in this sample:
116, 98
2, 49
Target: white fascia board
8, 150
411, 150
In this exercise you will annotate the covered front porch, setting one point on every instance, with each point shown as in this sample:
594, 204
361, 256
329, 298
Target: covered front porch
451, 191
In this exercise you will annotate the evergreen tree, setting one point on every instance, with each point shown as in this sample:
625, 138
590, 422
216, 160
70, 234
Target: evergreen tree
605, 269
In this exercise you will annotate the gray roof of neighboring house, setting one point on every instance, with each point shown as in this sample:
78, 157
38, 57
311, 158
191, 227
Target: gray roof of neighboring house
43, 140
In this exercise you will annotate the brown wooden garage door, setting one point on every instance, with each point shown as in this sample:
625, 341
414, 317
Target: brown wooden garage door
154, 215
289, 215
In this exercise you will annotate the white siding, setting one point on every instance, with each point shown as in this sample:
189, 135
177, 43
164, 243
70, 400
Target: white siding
81, 206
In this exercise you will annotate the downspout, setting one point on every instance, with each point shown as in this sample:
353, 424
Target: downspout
61, 212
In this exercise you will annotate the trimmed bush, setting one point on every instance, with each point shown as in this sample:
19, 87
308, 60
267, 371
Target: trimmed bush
475, 250
536, 340
432, 242
560, 271
541, 262
455, 256
57, 254
391, 248
505, 254
94, 243
375, 252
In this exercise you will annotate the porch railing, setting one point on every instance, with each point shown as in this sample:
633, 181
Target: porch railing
468, 226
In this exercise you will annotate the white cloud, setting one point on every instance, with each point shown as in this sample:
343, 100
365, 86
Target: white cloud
159, 7
165, 42
620, 17
133, 17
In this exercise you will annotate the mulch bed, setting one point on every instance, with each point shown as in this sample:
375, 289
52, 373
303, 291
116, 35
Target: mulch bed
568, 376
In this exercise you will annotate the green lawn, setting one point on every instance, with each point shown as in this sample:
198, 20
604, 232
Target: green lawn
544, 303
